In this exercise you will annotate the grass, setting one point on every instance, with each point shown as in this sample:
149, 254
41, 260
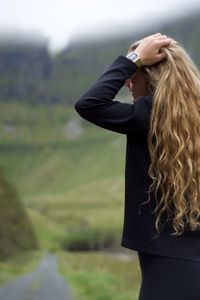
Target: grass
65, 184
20, 264
100, 275
78, 182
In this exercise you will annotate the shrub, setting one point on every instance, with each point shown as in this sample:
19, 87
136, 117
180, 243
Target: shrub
87, 238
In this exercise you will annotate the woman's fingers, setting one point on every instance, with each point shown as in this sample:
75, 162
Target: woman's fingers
153, 35
160, 56
148, 49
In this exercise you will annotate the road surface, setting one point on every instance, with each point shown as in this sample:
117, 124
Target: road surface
43, 284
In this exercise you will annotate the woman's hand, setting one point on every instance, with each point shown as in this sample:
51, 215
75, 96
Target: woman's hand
149, 48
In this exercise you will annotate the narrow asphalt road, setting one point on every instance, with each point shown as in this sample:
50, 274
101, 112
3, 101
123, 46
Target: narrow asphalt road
43, 284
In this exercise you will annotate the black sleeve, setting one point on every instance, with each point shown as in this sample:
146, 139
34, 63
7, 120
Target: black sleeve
96, 104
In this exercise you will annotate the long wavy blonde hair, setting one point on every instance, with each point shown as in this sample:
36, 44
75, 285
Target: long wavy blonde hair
174, 137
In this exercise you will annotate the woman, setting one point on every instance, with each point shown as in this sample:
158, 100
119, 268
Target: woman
162, 172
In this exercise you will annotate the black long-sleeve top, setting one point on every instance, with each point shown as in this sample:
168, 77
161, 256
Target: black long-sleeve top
97, 106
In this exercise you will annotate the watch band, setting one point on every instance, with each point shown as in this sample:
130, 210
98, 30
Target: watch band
134, 57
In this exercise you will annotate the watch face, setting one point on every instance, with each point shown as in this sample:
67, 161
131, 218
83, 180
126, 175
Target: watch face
132, 55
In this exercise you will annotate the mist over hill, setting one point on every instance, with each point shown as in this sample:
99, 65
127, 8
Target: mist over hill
30, 73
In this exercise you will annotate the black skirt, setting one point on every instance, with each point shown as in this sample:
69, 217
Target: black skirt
165, 278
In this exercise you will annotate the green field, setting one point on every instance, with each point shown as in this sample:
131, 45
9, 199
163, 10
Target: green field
73, 189
100, 275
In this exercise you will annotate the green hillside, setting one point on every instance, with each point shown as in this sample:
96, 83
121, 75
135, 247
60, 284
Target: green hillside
16, 232
66, 182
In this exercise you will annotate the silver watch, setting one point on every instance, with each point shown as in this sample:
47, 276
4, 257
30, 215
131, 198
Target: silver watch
134, 57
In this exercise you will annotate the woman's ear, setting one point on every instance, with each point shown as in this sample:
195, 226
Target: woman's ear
127, 82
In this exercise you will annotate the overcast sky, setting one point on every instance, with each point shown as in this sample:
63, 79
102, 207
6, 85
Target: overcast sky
62, 20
